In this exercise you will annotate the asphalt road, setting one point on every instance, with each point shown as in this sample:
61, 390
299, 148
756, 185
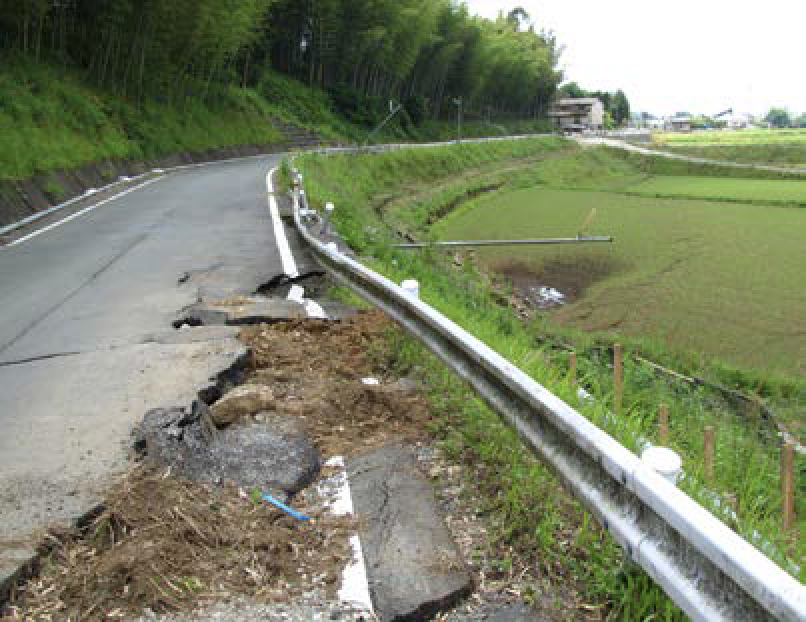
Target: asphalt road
87, 343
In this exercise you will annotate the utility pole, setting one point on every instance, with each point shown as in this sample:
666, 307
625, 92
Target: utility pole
458, 102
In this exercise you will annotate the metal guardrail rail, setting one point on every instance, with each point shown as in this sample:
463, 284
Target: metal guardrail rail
709, 571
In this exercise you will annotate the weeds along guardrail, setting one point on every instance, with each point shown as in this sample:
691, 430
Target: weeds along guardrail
706, 569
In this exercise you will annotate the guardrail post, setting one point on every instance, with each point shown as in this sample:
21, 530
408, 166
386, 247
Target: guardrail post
411, 288
329, 207
664, 462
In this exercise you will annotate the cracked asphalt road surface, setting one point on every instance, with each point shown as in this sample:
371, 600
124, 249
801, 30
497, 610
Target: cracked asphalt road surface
86, 341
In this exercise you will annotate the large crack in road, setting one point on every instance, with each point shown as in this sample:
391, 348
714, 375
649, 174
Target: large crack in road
88, 342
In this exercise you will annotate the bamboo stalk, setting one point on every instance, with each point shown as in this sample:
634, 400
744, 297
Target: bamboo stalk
618, 377
709, 454
572, 372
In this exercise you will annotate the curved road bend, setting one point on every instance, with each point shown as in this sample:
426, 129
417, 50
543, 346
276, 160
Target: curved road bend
86, 340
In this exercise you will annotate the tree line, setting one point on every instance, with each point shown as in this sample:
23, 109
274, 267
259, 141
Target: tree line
780, 118
425, 53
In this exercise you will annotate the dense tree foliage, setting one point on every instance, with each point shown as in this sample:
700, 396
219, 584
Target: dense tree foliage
778, 117
425, 53
134, 45
616, 104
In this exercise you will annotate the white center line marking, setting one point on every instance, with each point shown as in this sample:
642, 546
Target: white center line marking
81, 212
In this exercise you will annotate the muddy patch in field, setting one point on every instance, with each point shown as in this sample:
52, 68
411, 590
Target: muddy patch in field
558, 281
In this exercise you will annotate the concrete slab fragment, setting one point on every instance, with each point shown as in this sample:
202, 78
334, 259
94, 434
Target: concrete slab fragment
243, 310
517, 612
15, 560
414, 567
274, 456
71, 430
193, 334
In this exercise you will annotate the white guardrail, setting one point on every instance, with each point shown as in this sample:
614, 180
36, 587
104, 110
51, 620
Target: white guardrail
706, 568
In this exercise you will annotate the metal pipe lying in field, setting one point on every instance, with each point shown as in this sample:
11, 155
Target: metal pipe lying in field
455, 243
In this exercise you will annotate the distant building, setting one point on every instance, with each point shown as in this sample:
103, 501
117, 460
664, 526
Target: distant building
577, 114
739, 121
679, 124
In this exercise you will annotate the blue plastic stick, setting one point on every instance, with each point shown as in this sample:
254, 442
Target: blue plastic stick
285, 508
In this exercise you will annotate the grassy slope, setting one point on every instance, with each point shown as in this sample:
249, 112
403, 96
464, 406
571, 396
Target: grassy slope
50, 120
536, 516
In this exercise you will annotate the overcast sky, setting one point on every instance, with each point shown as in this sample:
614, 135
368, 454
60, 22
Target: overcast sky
697, 56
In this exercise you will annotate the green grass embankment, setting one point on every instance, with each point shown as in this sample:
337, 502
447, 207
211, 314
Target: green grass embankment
50, 120
534, 515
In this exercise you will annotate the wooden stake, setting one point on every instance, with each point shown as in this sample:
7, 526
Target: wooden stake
618, 377
572, 371
663, 425
709, 454
757, 406
788, 484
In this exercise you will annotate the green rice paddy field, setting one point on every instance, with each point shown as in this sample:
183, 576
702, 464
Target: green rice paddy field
741, 190
727, 279
786, 147
732, 137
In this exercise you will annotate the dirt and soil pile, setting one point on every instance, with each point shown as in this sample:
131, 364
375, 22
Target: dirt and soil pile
316, 372
168, 543
164, 543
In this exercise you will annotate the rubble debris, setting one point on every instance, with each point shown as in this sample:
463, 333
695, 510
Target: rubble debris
165, 544
315, 370
239, 311
414, 567
253, 455
247, 399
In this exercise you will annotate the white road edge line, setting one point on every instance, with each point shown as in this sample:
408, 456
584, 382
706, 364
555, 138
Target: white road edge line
296, 293
33, 234
354, 584
287, 259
